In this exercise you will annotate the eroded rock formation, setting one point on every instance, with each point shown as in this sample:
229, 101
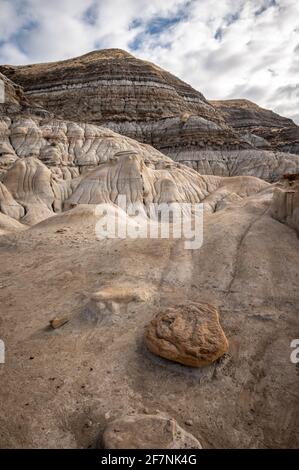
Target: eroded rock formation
48, 165
112, 86
285, 205
60, 386
138, 99
262, 127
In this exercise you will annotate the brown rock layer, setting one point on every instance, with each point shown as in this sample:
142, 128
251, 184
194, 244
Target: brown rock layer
129, 95
264, 128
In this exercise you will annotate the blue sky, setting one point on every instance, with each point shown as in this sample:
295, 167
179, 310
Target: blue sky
224, 48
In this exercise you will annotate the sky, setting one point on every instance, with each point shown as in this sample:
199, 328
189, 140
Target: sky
224, 48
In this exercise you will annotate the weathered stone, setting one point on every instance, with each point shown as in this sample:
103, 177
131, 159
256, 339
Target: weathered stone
146, 431
189, 334
123, 294
113, 299
57, 322
285, 202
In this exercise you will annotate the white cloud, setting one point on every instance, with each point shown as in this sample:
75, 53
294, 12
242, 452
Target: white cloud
224, 48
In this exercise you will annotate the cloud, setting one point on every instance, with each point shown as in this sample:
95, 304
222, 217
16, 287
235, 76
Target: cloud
228, 48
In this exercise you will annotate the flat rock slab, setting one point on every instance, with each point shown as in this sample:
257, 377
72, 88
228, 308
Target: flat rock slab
121, 294
114, 299
147, 432
189, 334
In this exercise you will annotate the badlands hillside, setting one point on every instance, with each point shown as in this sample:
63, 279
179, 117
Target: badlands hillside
268, 129
123, 342
138, 99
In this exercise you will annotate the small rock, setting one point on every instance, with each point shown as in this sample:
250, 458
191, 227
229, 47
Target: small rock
189, 422
58, 322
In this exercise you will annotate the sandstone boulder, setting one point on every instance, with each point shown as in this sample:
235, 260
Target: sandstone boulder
147, 432
189, 334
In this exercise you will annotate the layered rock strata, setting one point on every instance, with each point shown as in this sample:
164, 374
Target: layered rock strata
48, 165
138, 99
262, 127
132, 97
